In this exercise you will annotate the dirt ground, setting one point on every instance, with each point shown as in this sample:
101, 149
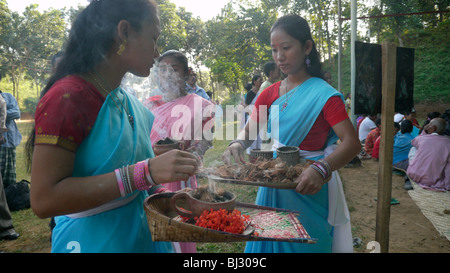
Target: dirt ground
409, 230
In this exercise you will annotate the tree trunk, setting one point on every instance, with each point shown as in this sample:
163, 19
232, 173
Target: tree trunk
398, 33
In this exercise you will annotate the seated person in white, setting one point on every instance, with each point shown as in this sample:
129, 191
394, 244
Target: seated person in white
367, 125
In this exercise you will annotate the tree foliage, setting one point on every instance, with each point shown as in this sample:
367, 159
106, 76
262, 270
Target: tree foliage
27, 43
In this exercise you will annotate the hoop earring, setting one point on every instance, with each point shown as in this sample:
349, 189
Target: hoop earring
122, 48
308, 61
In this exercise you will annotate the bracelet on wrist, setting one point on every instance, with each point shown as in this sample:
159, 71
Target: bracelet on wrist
140, 175
323, 168
319, 170
325, 165
120, 182
148, 174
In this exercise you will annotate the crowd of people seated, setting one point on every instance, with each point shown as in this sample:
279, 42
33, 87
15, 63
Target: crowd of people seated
420, 153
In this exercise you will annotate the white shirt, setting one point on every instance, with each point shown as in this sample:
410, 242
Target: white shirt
366, 126
398, 117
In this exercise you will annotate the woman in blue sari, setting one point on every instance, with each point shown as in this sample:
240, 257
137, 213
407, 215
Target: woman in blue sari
92, 161
304, 111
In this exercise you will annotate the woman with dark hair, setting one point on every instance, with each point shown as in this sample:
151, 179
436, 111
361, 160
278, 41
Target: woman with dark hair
251, 95
92, 162
173, 99
311, 116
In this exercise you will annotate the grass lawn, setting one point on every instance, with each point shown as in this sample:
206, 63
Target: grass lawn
35, 233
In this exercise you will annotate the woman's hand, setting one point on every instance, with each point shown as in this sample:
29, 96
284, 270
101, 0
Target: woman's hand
174, 165
310, 182
236, 151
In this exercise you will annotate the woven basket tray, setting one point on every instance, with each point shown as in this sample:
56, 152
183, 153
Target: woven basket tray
271, 224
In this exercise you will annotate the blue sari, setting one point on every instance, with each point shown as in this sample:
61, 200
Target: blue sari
119, 226
294, 121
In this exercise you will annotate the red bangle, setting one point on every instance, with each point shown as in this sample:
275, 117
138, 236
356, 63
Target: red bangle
139, 180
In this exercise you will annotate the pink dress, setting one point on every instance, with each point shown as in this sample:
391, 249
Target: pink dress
430, 167
185, 119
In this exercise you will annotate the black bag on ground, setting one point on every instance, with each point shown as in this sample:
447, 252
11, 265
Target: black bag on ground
18, 195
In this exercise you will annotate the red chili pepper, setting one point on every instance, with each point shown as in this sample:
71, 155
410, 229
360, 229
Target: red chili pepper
223, 220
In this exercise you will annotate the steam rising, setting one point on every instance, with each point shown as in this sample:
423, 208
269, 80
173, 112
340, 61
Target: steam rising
163, 81
169, 84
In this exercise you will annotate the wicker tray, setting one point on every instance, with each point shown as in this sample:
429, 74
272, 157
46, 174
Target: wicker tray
270, 223
278, 185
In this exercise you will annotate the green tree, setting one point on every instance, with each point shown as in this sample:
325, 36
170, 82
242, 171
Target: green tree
239, 43
195, 43
49, 30
28, 42
173, 35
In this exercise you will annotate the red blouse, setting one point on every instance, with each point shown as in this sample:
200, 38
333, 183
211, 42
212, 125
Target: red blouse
67, 112
332, 113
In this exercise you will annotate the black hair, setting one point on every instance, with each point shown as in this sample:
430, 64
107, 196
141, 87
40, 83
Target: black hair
378, 121
248, 86
406, 126
255, 78
177, 55
92, 36
269, 67
433, 115
299, 29
93, 32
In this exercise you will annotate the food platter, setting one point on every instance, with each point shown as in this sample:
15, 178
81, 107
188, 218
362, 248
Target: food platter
273, 173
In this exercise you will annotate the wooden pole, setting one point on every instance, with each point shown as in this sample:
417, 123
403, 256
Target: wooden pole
389, 66
340, 48
353, 37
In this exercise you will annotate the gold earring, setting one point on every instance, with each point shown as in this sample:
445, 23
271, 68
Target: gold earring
122, 48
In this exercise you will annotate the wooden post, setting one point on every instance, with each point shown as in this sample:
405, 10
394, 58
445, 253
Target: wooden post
388, 66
